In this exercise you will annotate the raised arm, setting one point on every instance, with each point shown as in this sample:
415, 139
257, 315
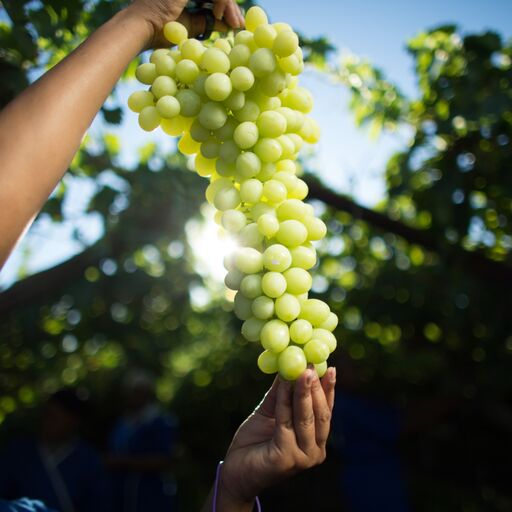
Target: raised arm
41, 130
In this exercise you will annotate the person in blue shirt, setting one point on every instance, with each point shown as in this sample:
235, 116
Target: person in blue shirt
368, 433
24, 505
142, 445
57, 467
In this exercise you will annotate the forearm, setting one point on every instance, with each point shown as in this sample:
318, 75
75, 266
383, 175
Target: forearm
41, 130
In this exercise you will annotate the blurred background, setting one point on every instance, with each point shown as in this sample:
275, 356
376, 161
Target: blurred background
116, 293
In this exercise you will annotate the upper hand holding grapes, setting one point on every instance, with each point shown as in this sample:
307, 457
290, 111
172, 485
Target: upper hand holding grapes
158, 12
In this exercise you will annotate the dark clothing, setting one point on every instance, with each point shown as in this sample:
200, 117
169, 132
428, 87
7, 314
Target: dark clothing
152, 433
71, 479
372, 476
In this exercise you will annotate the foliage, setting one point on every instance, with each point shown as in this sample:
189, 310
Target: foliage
420, 318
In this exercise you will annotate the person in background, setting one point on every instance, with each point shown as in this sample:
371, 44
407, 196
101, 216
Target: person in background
24, 505
142, 445
40, 132
368, 433
57, 468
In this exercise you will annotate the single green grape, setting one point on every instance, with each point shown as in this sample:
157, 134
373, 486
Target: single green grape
146, 73
291, 233
149, 118
292, 363
264, 35
263, 307
233, 279
249, 260
251, 286
235, 101
242, 78
331, 323
321, 368
314, 311
246, 135
233, 221
298, 280
226, 198
218, 86
242, 307
268, 225
287, 307
327, 337
140, 99
248, 165
229, 152
275, 336
271, 124
251, 237
273, 284
255, 17
251, 328
267, 362
168, 107
175, 32
316, 351
190, 102
212, 116
239, 55
164, 86
301, 331
262, 62
277, 258
285, 43
274, 191
251, 190
187, 71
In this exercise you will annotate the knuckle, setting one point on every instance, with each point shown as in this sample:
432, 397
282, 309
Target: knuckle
325, 416
275, 459
286, 424
302, 463
307, 421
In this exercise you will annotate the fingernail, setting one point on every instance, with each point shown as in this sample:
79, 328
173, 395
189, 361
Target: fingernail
309, 377
333, 374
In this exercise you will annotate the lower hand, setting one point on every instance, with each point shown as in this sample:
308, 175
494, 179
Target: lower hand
158, 12
286, 433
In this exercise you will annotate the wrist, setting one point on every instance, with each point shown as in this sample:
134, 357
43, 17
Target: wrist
139, 24
230, 497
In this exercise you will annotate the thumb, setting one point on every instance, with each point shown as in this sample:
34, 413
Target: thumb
267, 406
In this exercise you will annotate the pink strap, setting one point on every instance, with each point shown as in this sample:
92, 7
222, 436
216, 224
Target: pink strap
216, 489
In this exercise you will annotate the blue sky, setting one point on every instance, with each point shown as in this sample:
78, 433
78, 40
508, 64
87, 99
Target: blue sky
345, 157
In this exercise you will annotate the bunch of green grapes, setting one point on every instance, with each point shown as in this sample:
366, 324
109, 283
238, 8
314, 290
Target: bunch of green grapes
237, 106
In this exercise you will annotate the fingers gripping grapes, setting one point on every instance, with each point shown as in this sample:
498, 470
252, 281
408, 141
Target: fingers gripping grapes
286, 434
158, 13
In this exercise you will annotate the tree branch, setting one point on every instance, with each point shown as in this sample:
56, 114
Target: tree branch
136, 227
474, 261
57, 277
